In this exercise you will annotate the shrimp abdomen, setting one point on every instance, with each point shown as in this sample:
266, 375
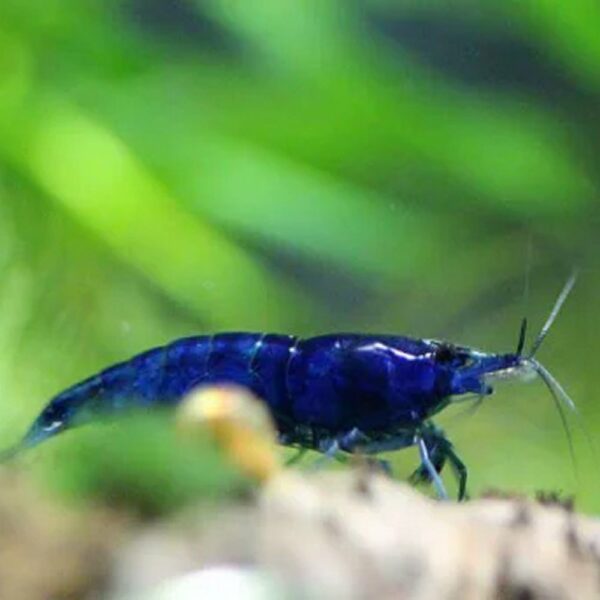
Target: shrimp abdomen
164, 375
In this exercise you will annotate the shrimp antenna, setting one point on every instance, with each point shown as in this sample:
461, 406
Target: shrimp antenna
526, 280
559, 394
553, 314
557, 390
522, 337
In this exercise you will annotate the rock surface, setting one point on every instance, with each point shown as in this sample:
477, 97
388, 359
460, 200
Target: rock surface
358, 535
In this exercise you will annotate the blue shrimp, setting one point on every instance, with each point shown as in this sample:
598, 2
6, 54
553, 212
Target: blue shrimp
336, 394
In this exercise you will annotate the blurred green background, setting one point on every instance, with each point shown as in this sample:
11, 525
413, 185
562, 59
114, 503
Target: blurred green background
170, 167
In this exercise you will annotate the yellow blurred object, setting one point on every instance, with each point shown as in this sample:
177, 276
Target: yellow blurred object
240, 423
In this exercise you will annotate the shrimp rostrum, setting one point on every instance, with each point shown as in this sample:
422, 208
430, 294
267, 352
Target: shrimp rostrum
337, 394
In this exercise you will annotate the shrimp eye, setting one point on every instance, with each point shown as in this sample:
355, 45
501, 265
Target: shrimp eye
444, 353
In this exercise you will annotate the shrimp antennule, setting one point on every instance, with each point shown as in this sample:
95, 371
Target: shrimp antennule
553, 314
559, 395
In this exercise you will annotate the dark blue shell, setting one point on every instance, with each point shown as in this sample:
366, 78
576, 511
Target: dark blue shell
338, 382
332, 383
